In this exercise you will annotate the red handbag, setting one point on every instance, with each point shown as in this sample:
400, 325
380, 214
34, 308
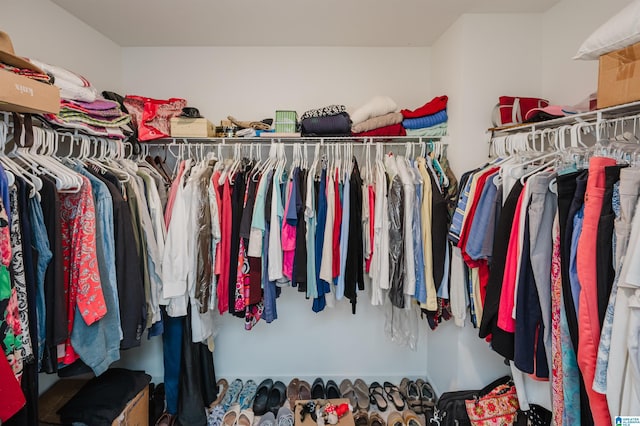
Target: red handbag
152, 116
512, 110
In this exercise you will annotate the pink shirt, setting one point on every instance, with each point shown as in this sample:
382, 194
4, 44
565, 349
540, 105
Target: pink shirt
172, 196
507, 297
288, 238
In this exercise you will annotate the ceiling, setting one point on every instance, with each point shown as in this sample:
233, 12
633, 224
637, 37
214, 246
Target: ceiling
377, 23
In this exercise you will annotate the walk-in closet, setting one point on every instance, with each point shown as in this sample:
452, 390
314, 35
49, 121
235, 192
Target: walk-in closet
293, 213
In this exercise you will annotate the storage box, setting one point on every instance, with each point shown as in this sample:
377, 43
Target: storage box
135, 413
183, 127
619, 77
286, 121
22, 94
346, 420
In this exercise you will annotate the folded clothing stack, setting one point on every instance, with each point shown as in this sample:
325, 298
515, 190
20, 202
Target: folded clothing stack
82, 108
331, 120
428, 120
377, 118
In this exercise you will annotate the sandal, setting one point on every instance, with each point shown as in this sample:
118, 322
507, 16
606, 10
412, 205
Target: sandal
375, 419
362, 395
361, 418
347, 391
413, 397
411, 419
166, 419
304, 391
395, 419
427, 395
376, 396
232, 394
246, 396
393, 394
222, 383
293, 391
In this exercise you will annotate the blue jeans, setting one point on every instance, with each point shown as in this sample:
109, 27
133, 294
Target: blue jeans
40, 241
172, 351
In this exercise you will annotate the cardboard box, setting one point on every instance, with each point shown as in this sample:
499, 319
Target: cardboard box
135, 413
22, 94
346, 420
619, 77
184, 127
286, 121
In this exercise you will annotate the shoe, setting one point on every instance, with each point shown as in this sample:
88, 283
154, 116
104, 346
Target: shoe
232, 394
362, 395
347, 391
427, 395
395, 419
166, 419
331, 390
277, 396
267, 420
304, 391
260, 402
215, 416
377, 396
393, 394
293, 391
411, 419
317, 389
361, 418
375, 419
246, 396
222, 386
412, 397
245, 418
231, 416
284, 417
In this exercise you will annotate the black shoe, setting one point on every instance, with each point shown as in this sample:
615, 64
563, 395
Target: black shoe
277, 396
317, 389
332, 390
260, 402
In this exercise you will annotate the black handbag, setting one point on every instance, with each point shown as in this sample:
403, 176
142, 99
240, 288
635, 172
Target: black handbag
451, 409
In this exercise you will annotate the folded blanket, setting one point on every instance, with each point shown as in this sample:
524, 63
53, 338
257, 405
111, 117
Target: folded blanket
115, 112
324, 112
60, 73
426, 121
391, 130
334, 125
97, 105
378, 105
376, 122
66, 115
435, 105
433, 131
107, 132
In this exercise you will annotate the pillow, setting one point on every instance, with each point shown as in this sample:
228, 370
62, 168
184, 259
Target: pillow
378, 105
618, 32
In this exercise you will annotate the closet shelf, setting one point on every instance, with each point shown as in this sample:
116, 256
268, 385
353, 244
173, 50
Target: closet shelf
312, 140
586, 117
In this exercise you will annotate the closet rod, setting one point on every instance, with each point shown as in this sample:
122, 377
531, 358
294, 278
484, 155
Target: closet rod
390, 140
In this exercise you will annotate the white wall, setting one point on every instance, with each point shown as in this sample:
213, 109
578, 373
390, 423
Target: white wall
43, 30
250, 83
564, 27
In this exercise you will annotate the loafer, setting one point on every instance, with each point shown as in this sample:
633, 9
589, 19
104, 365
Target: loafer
277, 396
331, 390
375, 419
413, 397
317, 389
361, 418
395, 419
261, 400
411, 419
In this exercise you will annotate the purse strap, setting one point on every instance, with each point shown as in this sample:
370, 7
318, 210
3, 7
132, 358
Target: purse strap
516, 112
